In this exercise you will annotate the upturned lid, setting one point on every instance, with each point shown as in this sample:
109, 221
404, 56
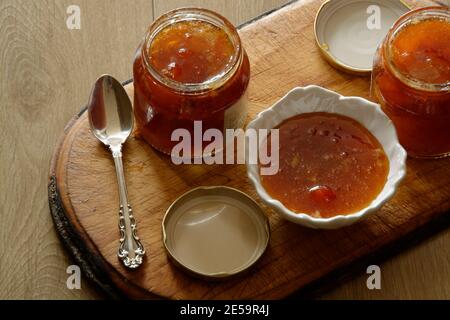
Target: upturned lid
348, 32
215, 232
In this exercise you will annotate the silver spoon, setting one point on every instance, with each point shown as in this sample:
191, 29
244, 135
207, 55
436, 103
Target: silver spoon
111, 120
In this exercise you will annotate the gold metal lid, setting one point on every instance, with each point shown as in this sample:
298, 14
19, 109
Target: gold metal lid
348, 32
215, 232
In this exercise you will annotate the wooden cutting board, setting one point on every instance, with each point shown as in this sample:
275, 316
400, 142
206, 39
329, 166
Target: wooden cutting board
84, 200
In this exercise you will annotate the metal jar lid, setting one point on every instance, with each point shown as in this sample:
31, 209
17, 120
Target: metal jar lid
215, 232
348, 32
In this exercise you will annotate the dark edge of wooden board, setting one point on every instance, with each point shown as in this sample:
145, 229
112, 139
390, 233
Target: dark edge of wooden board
74, 244
93, 266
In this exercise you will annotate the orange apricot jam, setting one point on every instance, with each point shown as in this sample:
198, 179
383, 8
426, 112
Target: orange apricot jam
329, 165
190, 67
191, 51
411, 80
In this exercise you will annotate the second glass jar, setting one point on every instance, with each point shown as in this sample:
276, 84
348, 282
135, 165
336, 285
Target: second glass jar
411, 81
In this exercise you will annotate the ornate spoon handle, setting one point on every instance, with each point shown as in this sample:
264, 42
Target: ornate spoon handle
131, 251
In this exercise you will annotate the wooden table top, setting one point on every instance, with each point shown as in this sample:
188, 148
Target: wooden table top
46, 71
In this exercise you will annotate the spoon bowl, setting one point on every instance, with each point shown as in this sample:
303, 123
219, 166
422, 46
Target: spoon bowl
110, 111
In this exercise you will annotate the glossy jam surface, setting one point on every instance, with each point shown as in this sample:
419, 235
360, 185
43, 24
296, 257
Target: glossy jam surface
191, 51
420, 52
329, 165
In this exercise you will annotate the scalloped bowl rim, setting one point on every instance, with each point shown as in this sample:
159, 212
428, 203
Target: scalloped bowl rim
389, 189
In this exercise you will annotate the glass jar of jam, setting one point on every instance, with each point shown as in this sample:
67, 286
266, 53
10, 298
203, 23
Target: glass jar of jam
411, 81
191, 68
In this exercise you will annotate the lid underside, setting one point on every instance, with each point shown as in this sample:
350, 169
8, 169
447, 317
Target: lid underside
215, 232
349, 31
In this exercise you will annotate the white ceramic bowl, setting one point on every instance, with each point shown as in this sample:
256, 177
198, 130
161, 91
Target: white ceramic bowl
317, 99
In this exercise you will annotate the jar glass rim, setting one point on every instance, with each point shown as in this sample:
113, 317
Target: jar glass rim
413, 16
193, 14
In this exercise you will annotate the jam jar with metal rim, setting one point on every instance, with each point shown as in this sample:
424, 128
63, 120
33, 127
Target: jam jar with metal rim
190, 70
411, 81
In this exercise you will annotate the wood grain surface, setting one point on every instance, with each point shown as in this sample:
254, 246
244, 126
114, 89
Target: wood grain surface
45, 76
296, 256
